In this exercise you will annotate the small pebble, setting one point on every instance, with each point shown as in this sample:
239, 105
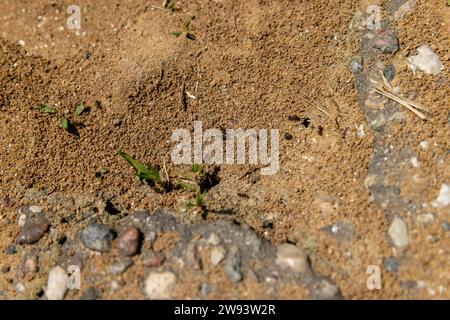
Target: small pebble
120, 266
11, 249
155, 260
426, 61
32, 233
159, 285
424, 145
415, 162
389, 72
205, 289
292, 257
31, 264
5, 269
218, 254
233, 265
90, 294
20, 288
288, 136
398, 231
97, 237
214, 239
386, 41
128, 242
35, 209
446, 225
56, 284
443, 199
425, 218
390, 264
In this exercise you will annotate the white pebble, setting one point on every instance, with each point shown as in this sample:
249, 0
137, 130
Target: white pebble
21, 43
398, 231
35, 209
57, 284
217, 255
159, 285
426, 60
292, 257
443, 199
415, 162
424, 145
425, 218
22, 220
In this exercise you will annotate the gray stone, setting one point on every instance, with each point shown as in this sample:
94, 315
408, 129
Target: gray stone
446, 225
11, 249
390, 264
233, 265
97, 237
120, 266
390, 72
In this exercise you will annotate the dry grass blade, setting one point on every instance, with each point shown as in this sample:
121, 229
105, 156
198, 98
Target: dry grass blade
315, 105
388, 91
404, 102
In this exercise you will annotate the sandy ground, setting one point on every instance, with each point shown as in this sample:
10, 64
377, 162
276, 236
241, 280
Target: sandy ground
253, 64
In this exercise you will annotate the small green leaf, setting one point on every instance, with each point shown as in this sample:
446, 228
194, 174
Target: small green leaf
47, 109
177, 33
143, 171
80, 109
65, 124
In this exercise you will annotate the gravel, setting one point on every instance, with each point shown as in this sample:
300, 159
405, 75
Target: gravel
120, 266
97, 237
218, 254
398, 231
292, 257
159, 285
57, 284
129, 241
386, 41
390, 264
32, 233
11, 249
233, 265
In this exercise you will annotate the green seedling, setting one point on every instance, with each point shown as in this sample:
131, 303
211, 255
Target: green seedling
143, 171
101, 173
48, 109
199, 201
170, 6
65, 124
80, 109
198, 169
185, 31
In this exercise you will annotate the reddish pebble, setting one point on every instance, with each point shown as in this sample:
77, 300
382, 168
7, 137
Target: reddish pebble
128, 242
32, 233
